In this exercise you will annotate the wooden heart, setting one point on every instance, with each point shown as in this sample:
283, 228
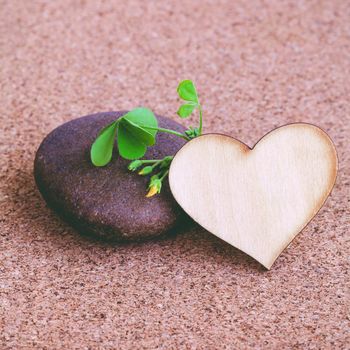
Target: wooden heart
256, 199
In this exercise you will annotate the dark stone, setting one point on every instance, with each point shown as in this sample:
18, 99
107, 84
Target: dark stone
107, 201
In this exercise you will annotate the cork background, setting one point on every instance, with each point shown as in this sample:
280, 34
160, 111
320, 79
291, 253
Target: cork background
257, 65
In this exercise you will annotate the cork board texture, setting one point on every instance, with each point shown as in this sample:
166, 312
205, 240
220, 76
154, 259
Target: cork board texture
257, 65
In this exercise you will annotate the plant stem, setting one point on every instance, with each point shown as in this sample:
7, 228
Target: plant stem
157, 163
150, 161
173, 132
164, 175
200, 119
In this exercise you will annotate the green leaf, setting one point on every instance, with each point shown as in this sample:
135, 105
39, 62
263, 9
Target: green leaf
138, 132
143, 117
130, 147
133, 137
186, 110
102, 148
187, 91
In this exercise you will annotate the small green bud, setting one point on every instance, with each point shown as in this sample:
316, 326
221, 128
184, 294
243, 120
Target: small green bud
146, 170
153, 178
168, 158
166, 162
196, 132
154, 187
188, 132
192, 132
134, 165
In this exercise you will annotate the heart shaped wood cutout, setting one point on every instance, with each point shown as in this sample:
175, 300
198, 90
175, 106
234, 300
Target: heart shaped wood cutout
256, 199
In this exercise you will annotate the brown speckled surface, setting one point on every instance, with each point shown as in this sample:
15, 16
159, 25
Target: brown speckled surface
109, 201
258, 65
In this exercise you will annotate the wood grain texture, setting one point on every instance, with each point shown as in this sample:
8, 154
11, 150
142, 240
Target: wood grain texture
256, 199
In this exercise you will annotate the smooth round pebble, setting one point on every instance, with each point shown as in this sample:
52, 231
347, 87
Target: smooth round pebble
105, 201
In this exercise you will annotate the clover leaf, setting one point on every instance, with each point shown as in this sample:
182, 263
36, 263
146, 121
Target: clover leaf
101, 149
143, 118
186, 110
136, 131
187, 91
